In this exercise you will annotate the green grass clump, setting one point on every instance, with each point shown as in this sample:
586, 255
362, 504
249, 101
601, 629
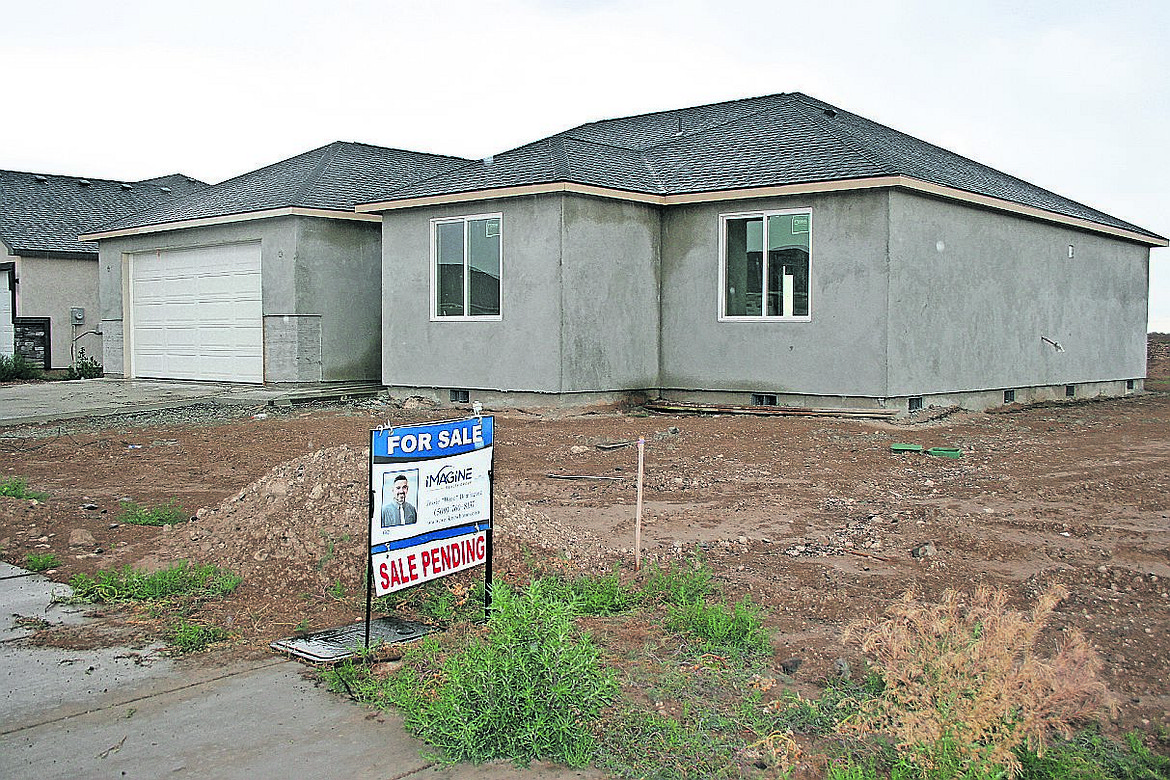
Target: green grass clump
170, 513
40, 561
528, 688
17, 487
442, 601
637, 743
1090, 755
129, 584
17, 367
188, 637
738, 628
592, 595
681, 584
838, 702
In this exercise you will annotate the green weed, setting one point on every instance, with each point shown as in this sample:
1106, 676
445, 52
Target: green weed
443, 601
17, 487
525, 689
18, 367
129, 584
679, 584
337, 591
739, 629
40, 561
84, 367
170, 513
592, 595
187, 637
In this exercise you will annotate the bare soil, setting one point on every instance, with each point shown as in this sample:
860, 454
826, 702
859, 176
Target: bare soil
815, 518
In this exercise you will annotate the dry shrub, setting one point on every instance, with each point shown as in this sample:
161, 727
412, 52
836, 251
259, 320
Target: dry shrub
964, 674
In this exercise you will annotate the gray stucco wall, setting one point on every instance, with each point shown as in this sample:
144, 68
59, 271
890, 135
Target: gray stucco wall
839, 352
579, 292
319, 284
519, 351
972, 292
609, 295
49, 287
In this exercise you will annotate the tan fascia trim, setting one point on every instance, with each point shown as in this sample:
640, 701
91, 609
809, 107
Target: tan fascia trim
876, 182
512, 192
231, 218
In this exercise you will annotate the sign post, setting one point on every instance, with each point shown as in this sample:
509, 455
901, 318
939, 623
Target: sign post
430, 504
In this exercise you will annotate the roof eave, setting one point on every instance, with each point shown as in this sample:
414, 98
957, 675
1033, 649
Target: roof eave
802, 188
226, 219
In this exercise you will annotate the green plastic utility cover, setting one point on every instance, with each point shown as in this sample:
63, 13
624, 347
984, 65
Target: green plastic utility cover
945, 452
906, 448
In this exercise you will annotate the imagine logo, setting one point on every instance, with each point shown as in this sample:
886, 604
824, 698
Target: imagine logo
449, 476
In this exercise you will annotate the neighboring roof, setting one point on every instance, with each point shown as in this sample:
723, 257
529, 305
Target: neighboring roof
764, 142
44, 213
335, 177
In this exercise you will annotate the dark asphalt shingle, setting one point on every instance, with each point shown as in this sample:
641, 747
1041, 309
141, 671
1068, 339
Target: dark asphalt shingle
45, 213
772, 140
337, 177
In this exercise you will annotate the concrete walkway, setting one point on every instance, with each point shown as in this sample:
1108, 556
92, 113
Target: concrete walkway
37, 402
128, 713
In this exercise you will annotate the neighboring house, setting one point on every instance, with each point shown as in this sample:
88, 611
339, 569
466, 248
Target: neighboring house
48, 277
773, 250
268, 277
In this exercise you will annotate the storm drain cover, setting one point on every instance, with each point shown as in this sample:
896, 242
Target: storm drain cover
337, 644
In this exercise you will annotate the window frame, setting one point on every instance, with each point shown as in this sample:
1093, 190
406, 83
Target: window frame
433, 227
763, 214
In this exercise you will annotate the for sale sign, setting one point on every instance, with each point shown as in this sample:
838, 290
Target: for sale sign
431, 494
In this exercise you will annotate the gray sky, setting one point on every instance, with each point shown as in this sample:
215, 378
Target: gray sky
1072, 96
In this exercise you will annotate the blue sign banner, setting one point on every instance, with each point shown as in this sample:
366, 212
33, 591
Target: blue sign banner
433, 440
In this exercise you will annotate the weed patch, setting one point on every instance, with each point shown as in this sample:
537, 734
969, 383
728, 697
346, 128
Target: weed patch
681, 584
592, 595
40, 561
188, 637
170, 513
963, 686
738, 629
442, 601
17, 367
525, 688
129, 584
17, 487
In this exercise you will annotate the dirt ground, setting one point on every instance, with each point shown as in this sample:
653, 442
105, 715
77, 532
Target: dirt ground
816, 518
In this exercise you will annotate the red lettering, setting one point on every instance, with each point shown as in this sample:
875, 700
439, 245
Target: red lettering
385, 578
480, 547
410, 562
436, 561
447, 557
426, 560
395, 573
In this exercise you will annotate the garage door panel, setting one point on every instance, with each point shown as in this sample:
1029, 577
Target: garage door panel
197, 313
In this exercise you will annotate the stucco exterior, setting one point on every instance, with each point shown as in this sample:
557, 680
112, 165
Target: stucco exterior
578, 309
972, 293
840, 351
911, 297
319, 284
49, 287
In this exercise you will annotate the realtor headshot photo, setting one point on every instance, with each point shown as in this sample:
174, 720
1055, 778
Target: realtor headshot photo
397, 508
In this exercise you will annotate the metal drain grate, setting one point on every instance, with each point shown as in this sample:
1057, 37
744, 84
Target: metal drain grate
337, 644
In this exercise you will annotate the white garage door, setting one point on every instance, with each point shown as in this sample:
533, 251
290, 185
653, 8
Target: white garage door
7, 331
196, 314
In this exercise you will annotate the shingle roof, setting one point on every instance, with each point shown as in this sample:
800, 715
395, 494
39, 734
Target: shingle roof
337, 177
43, 213
768, 141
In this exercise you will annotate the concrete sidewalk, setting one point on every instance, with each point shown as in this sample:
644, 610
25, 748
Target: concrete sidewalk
138, 714
37, 402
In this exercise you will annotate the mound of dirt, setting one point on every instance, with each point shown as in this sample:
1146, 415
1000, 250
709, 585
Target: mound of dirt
309, 516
